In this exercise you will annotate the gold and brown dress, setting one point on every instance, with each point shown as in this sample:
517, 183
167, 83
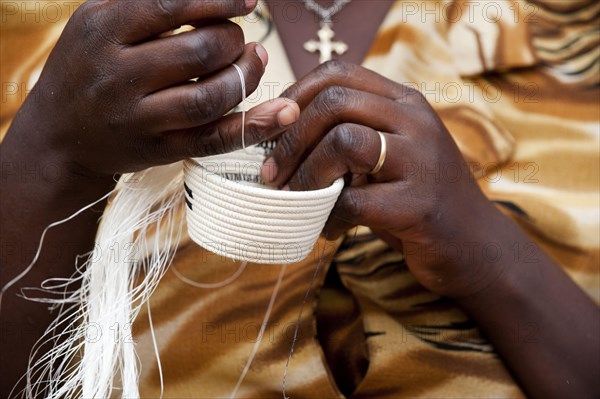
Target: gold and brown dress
520, 95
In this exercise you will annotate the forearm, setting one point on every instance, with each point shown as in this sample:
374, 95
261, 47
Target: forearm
38, 188
543, 326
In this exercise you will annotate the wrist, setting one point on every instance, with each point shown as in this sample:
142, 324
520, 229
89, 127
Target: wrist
30, 162
505, 251
477, 250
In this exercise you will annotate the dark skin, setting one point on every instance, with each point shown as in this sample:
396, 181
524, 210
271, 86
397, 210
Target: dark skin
296, 25
547, 339
121, 101
334, 136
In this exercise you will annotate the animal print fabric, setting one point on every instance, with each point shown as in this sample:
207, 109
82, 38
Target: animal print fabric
517, 85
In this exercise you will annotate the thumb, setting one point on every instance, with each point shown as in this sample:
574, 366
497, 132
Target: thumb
224, 135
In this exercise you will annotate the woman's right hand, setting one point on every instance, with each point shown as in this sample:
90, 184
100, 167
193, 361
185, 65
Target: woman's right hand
116, 94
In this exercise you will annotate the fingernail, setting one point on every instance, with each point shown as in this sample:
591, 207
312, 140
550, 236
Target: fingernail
288, 114
250, 4
268, 171
262, 54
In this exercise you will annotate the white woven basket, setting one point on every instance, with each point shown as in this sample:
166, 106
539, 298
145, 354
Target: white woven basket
232, 213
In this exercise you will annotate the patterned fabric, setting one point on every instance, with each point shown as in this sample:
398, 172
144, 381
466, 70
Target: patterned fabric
519, 94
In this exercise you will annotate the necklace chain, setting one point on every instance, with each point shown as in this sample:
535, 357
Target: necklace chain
326, 14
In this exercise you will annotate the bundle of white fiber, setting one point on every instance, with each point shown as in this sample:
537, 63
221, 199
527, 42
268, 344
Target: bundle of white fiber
135, 244
230, 212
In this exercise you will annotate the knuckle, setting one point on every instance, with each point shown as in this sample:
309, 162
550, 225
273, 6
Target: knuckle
348, 139
295, 91
84, 13
205, 48
330, 73
343, 138
87, 20
253, 130
411, 95
335, 69
222, 142
288, 146
166, 8
199, 146
203, 105
332, 100
198, 53
96, 25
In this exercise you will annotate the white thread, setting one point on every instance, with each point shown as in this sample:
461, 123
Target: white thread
156, 353
113, 288
246, 222
219, 284
235, 235
205, 176
261, 332
250, 221
234, 202
299, 320
244, 219
112, 295
41, 243
243, 84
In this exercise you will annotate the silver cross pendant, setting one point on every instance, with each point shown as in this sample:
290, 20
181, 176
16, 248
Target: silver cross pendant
325, 45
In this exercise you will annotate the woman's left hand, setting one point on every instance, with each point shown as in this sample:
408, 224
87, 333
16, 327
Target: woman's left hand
424, 200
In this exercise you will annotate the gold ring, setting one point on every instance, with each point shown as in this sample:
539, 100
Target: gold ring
382, 155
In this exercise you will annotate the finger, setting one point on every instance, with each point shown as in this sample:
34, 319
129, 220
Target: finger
331, 107
263, 122
176, 59
132, 21
348, 148
372, 205
201, 102
337, 73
